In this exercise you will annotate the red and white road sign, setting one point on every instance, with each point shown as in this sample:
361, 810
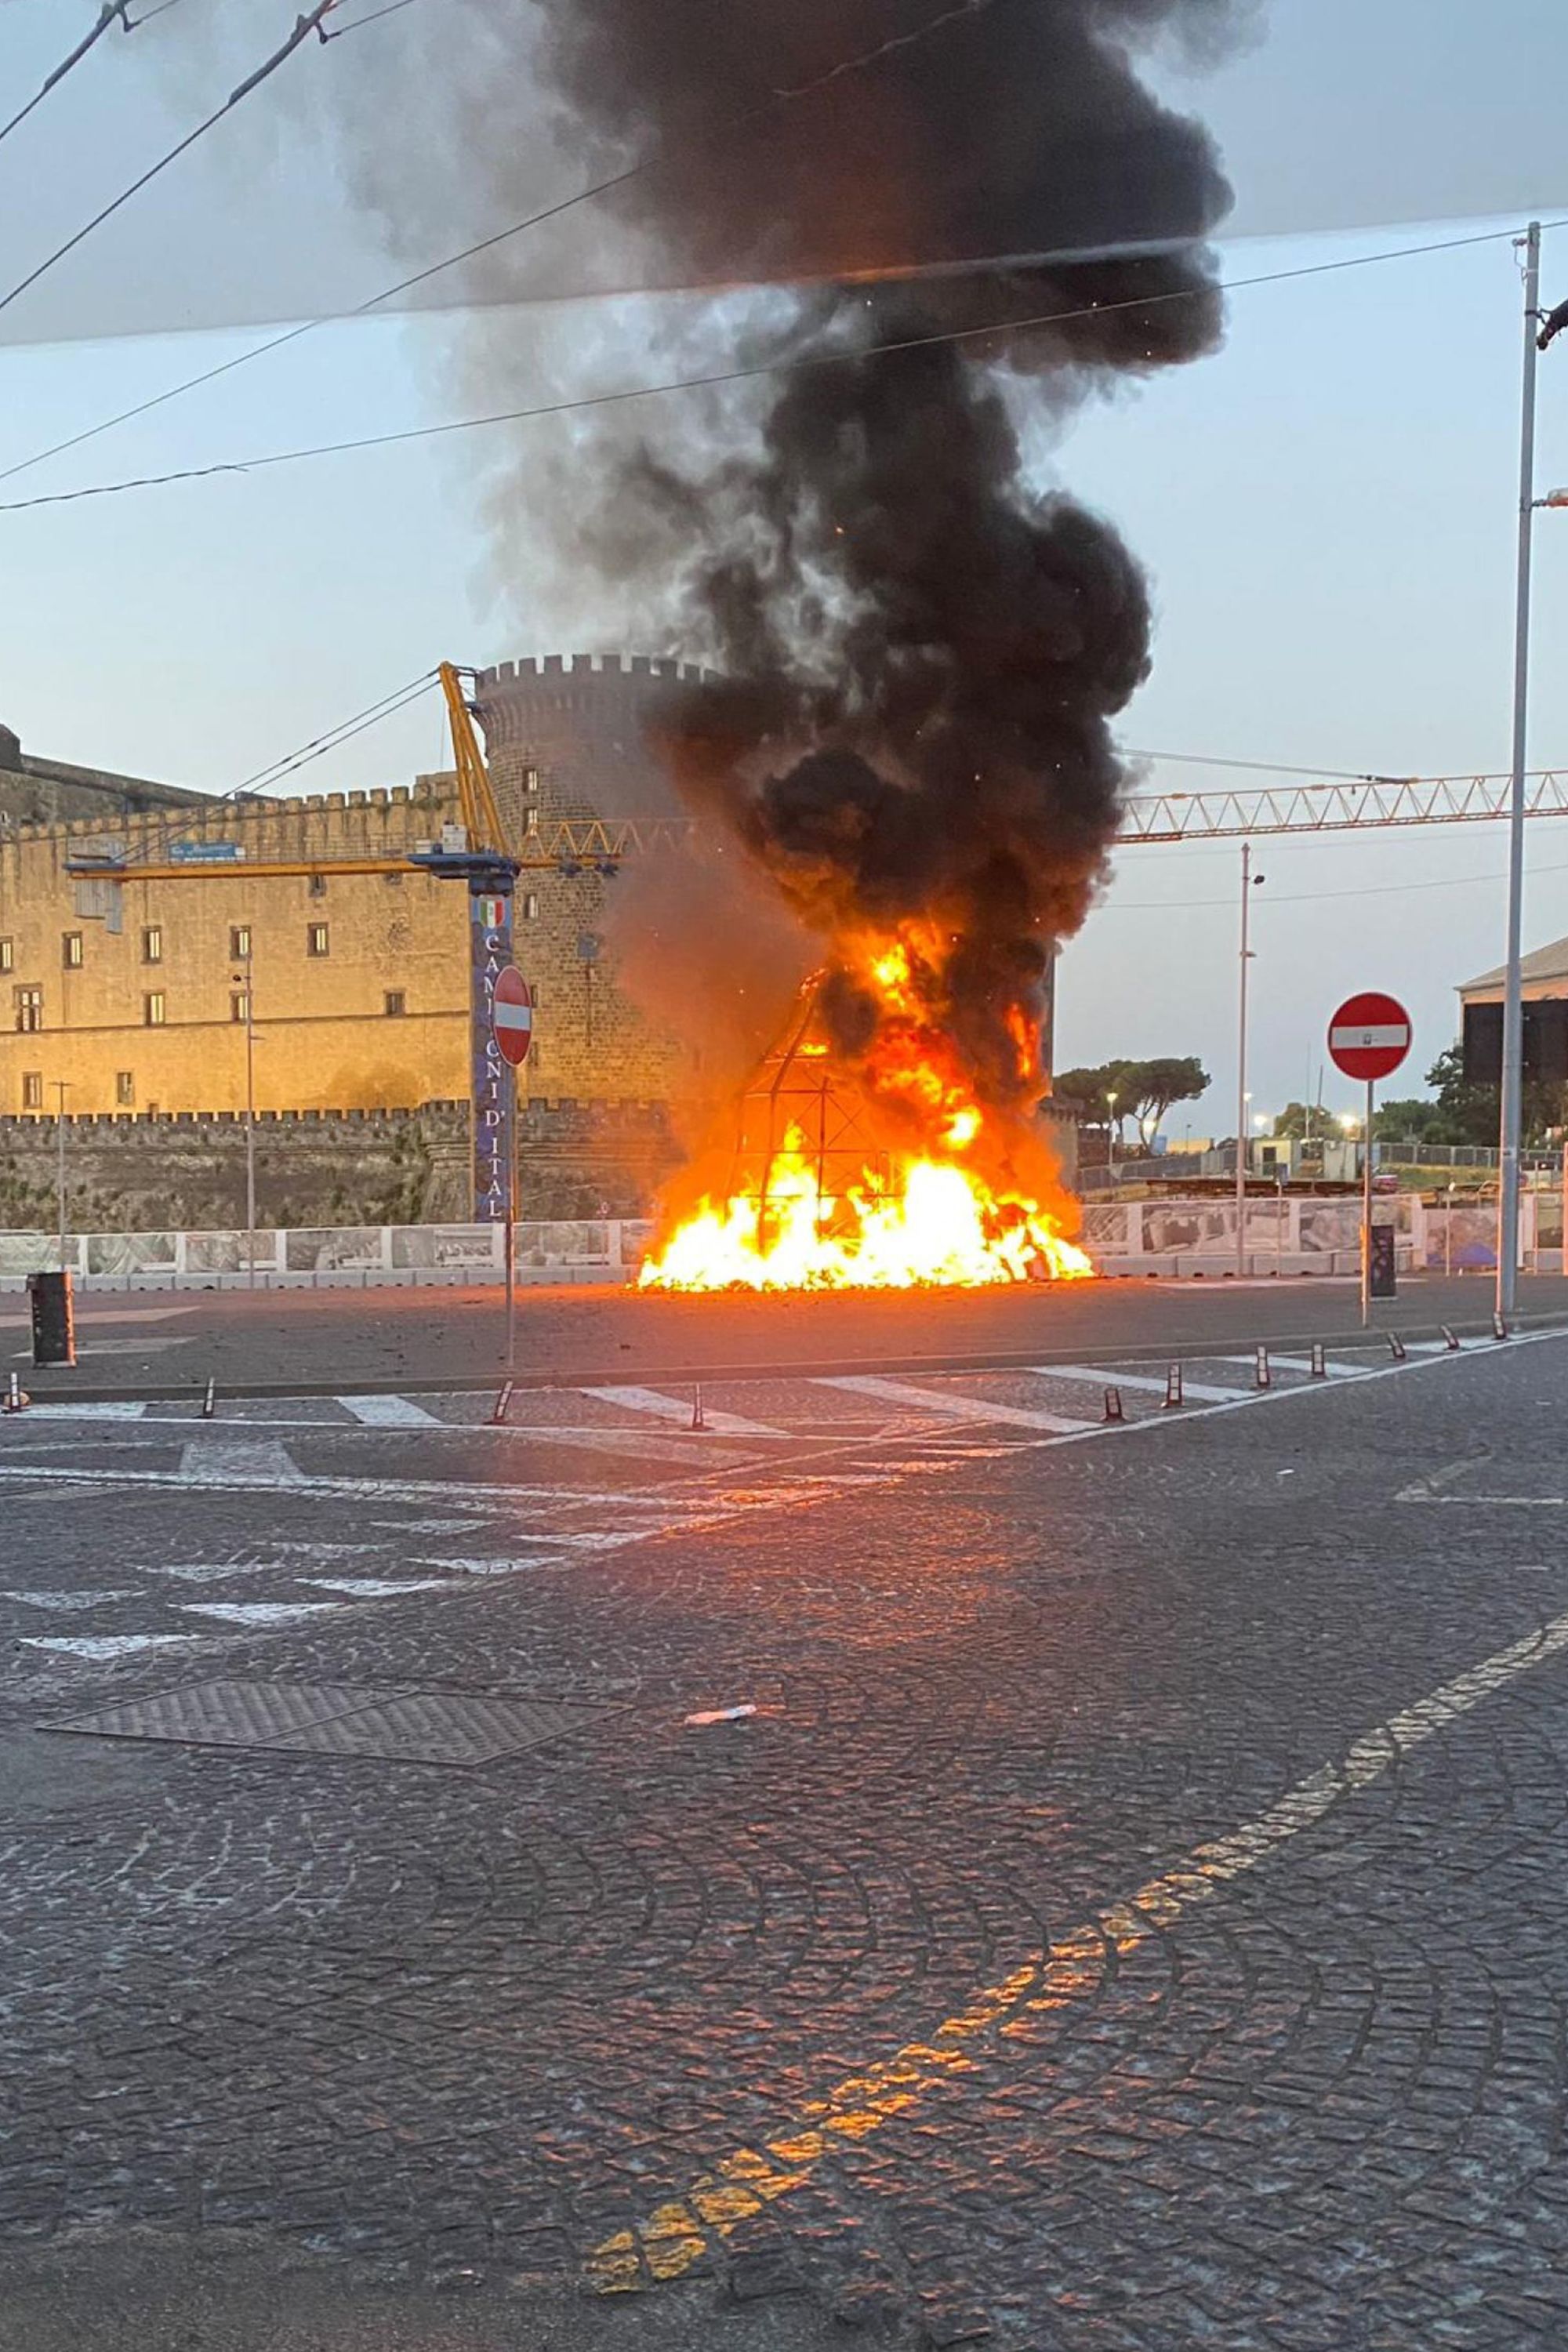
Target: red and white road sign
1369, 1037
511, 1014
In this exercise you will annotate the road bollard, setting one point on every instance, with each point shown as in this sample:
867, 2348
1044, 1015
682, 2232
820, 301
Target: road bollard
1499, 1329
1449, 1339
1320, 1361
1113, 1406
698, 1421
502, 1402
14, 1399
1173, 1389
1396, 1347
1262, 1375
209, 1400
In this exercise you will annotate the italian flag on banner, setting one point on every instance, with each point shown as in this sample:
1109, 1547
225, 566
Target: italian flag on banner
492, 914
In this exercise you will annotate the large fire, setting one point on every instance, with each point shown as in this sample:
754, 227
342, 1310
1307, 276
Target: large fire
888, 1175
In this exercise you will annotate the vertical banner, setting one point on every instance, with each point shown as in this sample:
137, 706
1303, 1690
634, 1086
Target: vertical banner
490, 1081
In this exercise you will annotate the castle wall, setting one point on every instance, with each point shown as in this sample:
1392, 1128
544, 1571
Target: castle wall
568, 740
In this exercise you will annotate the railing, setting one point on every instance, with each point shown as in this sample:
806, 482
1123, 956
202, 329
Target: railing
1284, 1233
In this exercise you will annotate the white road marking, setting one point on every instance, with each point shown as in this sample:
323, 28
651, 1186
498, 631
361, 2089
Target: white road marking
259, 1613
206, 1572
71, 1601
378, 1587
1109, 1378
674, 1408
127, 1410
507, 1567
390, 1412
952, 1407
89, 1316
107, 1645
1498, 1502
88, 1347
1425, 1490
428, 1527
238, 1462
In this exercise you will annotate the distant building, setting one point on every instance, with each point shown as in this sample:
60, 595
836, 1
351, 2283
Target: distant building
42, 791
1544, 973
1544, 976
360, 981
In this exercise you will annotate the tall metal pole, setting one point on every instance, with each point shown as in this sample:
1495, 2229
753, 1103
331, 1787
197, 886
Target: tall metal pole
1241, 1065
1366, 1213
1512, 1002
249, 1123
62, 1087
512, 1227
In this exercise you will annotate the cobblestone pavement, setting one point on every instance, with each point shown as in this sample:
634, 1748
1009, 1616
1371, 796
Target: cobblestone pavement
1133, 1915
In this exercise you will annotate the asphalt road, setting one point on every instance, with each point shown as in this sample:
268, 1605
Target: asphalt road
1132, 1918
161, 1342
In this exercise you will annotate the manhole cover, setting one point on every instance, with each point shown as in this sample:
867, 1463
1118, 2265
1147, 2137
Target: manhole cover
339, 1720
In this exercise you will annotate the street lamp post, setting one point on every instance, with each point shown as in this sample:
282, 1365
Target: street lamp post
1540, 330
62, 1087
243, 979
1249, 882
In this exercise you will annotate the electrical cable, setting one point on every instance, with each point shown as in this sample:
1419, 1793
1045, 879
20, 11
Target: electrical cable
553, 211
851, 356
1308, 898
355, 21
111, 12
304, 27
316, 747
332, 736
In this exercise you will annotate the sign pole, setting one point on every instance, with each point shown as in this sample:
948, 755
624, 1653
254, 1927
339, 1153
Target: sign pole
1366, 1214
512, 1232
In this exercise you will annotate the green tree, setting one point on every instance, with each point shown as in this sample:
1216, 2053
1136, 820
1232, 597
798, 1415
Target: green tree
1153, 1085
1143, 1091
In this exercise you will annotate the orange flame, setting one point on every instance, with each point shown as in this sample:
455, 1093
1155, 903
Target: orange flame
949, 1193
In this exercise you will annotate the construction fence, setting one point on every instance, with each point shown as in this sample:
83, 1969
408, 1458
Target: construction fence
1294, 1235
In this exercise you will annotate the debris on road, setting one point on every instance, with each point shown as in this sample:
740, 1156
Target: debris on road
705, 1716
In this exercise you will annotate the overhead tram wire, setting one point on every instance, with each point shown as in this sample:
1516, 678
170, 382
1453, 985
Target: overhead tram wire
850, 355
304, 27
553, 211
112, 12
317, 748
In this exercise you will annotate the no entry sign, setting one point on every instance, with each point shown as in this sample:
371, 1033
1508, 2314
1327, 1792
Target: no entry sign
511, 1016
1369, 1037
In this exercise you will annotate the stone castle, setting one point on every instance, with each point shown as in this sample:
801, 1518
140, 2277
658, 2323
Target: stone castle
131, 1005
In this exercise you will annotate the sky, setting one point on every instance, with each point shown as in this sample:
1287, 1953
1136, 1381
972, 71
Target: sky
1326, 508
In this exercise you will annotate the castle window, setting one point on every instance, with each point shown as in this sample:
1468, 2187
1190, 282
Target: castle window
125, 1089
238, 942
7, 955
394, 1004
318, 886
317, 940
239, 1005
530, 906
152, 1010
32, 1090
70, 950
531, 779
153, 943
30, 1010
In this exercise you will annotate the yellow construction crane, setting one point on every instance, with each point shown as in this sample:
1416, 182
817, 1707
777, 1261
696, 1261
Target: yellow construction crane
483, 858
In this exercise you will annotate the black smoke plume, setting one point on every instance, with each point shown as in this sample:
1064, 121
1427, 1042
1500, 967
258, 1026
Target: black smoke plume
920, 653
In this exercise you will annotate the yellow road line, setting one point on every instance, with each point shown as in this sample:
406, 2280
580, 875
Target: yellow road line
677, 2233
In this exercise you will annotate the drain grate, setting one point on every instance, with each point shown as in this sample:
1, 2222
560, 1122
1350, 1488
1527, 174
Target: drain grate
340, 1719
